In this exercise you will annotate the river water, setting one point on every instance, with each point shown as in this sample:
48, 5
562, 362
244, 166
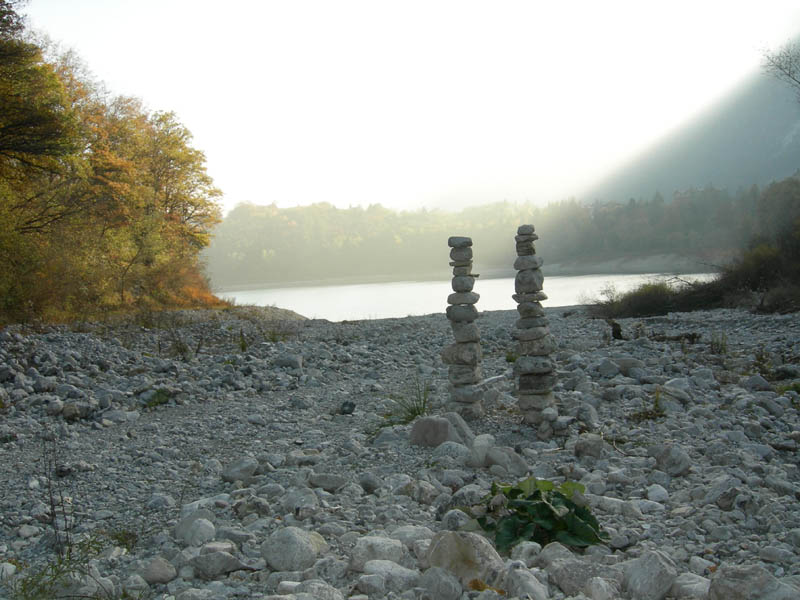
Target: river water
404, 298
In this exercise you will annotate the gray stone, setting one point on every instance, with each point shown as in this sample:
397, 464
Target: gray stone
528, 281
590, 444
467, 394
748, 582
532, 297
454, 519
159, 570
526, 229
214, 564
527, 335
432, 431
292, 549
408, 534
465, 353
292, 361
537, 384
505, 457
465, 332
522, 583
690, 586
525, 248
463, 283
314, 589
373, 547
540, 347
528, 310
183, 530
464, 374
396, 577
651, 576
240, 470
535, 402
463, 298
533, 365
466, 555
657, 493
134, 585
439, 584
462, 313
599, 588
461, 427
572, 574
458, 241
755, 383
461, 253
529, 261
672, 459
330, 482
607, 368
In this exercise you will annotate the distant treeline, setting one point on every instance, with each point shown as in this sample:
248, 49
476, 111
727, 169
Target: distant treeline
265, 244
104, 205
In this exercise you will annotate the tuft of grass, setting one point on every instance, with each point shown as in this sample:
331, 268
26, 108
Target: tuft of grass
648, 414
719, 342
789, 387
511, 356
413, 402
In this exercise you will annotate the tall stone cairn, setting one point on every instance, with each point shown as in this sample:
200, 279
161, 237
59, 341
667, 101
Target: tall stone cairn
464, 356
534, 368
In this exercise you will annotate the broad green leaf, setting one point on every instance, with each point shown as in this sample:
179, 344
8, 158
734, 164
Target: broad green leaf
568, 488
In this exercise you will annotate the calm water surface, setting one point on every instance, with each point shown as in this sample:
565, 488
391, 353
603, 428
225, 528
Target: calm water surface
404, 298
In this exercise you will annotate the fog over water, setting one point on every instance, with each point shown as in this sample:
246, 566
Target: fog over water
406, 298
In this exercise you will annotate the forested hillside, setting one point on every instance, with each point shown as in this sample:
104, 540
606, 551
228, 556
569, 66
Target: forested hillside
104, 204
266, 244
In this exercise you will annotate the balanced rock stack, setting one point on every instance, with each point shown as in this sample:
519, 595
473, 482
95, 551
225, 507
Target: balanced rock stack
464, 356
533, 367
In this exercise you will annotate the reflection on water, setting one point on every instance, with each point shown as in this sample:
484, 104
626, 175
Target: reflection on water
404, 298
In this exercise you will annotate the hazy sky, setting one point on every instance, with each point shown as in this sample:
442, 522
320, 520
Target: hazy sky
418, 103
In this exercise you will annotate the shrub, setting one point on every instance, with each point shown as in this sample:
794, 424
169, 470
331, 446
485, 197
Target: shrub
538, 510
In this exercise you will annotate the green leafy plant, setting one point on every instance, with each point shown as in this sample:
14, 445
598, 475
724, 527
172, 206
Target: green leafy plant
511, 356
538, 510
59, 577
161, 396
789, 387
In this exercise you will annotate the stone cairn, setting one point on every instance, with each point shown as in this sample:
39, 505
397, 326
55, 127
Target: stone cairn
464, 356
533, 367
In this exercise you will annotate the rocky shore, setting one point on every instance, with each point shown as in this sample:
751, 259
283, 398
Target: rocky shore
244, 454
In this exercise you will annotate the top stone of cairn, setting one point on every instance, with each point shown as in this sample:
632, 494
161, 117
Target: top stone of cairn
458, 241
524, 230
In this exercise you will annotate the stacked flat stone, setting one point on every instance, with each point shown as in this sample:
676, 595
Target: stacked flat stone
534, 368
464, 356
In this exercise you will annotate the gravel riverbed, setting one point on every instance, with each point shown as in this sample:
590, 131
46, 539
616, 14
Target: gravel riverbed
250, 453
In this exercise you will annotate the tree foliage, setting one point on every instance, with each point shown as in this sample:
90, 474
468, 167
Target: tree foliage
103, 204
259, 244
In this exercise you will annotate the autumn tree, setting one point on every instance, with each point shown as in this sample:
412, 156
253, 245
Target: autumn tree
103, 203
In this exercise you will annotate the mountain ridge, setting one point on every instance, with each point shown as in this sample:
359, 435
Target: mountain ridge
751, 136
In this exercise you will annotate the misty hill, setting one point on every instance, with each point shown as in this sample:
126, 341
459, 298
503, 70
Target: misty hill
258, 245
750, 137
